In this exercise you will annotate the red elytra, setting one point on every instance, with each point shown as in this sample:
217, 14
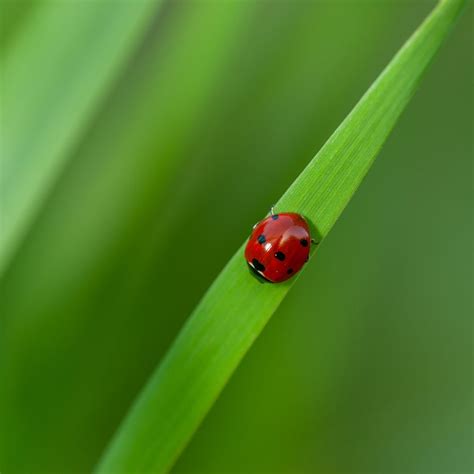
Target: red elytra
279, 246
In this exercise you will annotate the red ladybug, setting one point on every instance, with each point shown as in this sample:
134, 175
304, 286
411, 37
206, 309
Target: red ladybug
278, 246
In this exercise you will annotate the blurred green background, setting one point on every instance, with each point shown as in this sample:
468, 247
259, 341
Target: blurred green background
367, 366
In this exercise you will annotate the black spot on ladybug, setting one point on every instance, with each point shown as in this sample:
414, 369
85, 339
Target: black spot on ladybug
280, 256
261, 239
258, 266
304, 242
289, 271
275, 217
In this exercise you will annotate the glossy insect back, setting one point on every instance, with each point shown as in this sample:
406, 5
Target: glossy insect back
279, 246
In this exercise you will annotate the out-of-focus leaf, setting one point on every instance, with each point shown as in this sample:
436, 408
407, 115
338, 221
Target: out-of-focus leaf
90, 225
56, 73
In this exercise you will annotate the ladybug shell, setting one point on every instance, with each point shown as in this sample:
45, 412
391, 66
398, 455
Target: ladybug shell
278, 246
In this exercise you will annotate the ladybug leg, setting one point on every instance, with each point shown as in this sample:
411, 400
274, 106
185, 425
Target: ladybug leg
272, 210
314, 242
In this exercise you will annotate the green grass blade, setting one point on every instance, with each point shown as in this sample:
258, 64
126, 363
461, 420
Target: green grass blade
55, 75
236, 307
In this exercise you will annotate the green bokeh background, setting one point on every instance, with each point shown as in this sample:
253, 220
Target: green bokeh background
367, 366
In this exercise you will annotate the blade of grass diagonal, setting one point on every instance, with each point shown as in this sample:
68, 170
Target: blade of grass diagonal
236, 307
59, 67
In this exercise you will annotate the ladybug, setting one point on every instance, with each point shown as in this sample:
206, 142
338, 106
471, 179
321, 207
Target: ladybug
278, 246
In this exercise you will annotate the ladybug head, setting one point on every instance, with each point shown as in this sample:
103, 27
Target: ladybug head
256, 269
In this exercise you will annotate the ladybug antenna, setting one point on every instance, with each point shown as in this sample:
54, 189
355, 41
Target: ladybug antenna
272, 210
